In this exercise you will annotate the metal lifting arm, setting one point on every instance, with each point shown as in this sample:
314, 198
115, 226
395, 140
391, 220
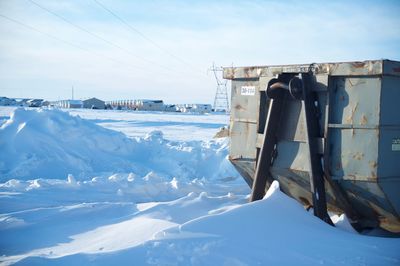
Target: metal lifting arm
262, 174
299, 89
313, 133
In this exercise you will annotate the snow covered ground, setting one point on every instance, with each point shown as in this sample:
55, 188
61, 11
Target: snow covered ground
94, 187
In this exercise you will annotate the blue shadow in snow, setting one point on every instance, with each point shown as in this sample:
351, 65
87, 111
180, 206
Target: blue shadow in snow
159, 123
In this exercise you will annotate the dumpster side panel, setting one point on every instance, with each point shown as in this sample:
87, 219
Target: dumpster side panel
391, 68
243, 128
245, 100
389, 140
390, 107
354, 127
244, 118
355, 101
243, 135
354, 154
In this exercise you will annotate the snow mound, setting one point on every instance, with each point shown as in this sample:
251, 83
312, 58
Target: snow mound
51, 144
272, 231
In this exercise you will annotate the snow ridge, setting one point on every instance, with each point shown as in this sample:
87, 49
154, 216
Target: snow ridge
51, 144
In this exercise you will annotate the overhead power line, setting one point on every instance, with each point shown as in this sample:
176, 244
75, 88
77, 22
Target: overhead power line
97, 36
67, 42
143, 35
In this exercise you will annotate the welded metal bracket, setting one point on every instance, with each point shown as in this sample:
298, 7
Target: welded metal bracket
262, 174
310, 105
299, 88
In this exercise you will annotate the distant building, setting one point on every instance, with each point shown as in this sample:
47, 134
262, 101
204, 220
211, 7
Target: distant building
121, 104
185, 108
172, 108
195, 108
202, 108
69, 104
46, 103
157, 105
34, 102
4, 101
149, 105
94, 103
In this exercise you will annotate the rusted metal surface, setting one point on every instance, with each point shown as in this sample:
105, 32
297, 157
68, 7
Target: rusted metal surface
244, 119
361, 136
245, 167
354, 154
391, 68
365, 68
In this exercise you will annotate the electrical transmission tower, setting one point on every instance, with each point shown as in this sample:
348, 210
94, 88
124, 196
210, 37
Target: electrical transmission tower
221, 102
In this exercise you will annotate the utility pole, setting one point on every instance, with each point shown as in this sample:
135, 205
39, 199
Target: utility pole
72, 92
221, 102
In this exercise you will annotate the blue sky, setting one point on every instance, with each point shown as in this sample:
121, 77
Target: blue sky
197, 32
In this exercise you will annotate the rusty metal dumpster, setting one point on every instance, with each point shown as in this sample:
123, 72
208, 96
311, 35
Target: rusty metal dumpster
329, 133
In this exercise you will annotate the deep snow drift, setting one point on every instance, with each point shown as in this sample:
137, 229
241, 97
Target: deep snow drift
52, 144
76, 193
